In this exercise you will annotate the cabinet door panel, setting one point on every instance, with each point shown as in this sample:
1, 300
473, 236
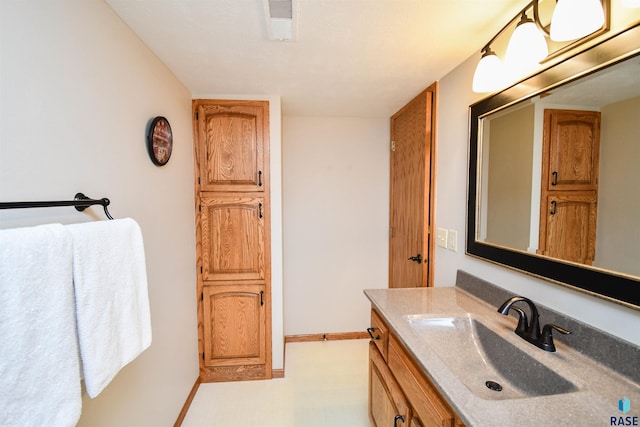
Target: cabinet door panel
232, 155
570, 227
233, 239
234, 326
421, 394
386, 400
573, 141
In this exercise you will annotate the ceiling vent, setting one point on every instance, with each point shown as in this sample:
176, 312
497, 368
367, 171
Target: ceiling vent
280, 19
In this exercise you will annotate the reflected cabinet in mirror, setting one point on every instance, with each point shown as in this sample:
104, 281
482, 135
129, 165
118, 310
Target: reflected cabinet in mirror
554, 172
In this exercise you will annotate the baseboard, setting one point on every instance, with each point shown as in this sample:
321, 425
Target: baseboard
327, 337
187, 403
277, 373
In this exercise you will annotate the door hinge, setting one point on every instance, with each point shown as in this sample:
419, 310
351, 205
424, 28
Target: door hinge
201, 296
393, 146
197, 116
198, 180
200, 270
202, 356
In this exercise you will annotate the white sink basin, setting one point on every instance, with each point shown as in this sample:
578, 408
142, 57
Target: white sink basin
487, 364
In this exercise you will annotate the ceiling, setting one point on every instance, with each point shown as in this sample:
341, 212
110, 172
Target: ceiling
362, 58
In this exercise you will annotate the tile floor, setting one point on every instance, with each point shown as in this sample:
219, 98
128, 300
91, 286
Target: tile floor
325, 385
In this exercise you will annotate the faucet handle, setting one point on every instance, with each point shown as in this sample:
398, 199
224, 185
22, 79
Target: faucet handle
546, 339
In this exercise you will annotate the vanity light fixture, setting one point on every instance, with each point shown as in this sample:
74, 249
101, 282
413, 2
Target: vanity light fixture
571, 20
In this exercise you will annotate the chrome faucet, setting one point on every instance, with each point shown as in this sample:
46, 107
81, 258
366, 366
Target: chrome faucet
531, 331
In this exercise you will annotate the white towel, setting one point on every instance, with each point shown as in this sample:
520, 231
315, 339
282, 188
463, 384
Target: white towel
112, 301
39, 367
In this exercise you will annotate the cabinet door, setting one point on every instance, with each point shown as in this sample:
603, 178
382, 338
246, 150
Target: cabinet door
387, 404
233, 242
234, 325
572, 143
570, 229
232, 146
427, 404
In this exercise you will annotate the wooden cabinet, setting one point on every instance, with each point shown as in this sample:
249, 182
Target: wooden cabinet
231, 149
399, 388
569, 196
233, 239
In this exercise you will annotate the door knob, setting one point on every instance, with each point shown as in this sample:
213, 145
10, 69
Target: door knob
417, 258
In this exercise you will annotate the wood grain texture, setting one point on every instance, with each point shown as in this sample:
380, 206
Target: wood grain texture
386, 399
233, 239
569, 188
231, 138
187, 403
329, 336
412, 187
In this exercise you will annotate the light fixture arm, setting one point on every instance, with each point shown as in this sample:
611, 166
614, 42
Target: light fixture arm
536, 18
534, 3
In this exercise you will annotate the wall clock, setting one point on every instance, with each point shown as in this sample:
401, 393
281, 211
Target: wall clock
159, 141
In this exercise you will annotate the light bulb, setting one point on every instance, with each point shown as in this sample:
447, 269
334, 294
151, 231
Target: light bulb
631, 3
574, 19
527, 47
489, 75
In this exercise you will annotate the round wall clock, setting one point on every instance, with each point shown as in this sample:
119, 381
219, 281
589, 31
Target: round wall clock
160, 141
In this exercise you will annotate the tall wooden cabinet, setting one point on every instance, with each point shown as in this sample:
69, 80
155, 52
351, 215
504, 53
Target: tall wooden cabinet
569, 196
233, 239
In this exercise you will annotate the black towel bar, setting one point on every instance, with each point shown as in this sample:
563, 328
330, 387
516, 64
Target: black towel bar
80, 202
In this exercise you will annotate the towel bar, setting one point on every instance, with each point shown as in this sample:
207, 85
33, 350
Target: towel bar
80, 202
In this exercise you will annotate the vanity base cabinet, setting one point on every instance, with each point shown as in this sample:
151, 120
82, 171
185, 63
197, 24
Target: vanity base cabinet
398, 386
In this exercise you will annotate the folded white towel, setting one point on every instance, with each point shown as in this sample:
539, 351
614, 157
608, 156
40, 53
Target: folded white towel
112, 300
39, 367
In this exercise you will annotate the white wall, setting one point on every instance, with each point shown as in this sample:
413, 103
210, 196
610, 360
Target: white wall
77, 91
453, 131
336, 220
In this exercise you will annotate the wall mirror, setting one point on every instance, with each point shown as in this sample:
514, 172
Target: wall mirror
554, 172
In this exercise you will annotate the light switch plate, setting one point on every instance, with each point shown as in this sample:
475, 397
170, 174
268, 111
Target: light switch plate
452, 242
441, 237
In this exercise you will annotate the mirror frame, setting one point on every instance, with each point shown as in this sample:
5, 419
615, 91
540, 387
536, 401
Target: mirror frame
620, 288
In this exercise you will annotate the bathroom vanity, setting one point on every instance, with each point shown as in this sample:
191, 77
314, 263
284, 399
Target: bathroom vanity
444, 357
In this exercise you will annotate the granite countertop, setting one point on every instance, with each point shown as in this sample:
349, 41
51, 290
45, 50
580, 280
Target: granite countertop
599, 388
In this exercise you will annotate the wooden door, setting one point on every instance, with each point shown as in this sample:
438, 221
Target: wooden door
234, 327
231, 149
411, 195
569, 190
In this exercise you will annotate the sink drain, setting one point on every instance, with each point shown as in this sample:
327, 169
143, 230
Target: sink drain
492, 385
